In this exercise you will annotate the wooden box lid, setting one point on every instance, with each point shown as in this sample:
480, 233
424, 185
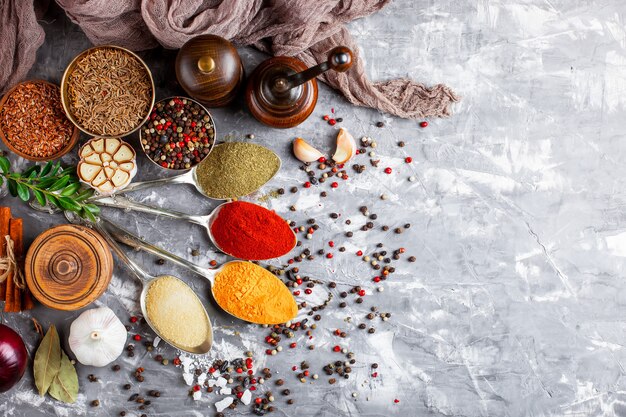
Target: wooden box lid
68, 266
209, 69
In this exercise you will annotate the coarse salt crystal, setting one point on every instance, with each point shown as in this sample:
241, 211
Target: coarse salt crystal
226, 391
221, 382
188, 377
212, 382
197, 395
223, 404
246, 397
201, 379
156, 341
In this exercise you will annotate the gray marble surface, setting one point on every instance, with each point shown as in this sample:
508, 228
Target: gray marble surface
514, 306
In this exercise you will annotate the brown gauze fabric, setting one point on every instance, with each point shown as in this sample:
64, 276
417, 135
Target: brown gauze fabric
306, 29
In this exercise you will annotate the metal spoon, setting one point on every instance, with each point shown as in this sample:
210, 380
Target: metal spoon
206, 221
127, 238
146, 281
189, 177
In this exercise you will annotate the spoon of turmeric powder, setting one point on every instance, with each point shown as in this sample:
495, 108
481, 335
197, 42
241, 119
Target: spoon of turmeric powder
242, 289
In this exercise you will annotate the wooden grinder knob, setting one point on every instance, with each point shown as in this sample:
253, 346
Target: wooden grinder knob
282, 92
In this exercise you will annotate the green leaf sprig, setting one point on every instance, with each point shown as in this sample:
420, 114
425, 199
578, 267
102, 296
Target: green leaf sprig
50, 184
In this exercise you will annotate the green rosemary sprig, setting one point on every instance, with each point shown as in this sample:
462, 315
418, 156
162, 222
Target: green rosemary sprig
50, 184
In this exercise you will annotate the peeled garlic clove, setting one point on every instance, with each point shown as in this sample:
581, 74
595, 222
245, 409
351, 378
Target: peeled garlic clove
305, 152
107, 165
346, 147
97, 337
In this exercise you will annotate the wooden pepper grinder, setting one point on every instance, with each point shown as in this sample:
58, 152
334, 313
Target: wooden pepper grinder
282, 91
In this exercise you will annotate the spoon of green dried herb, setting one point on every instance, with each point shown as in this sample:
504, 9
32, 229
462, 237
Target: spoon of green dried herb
50, 185
231, 170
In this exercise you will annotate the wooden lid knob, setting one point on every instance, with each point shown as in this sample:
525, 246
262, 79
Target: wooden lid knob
67, 267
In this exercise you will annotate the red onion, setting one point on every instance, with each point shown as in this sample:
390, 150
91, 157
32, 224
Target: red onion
13, 358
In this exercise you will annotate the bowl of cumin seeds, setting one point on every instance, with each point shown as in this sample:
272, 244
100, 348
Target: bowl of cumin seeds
107, 91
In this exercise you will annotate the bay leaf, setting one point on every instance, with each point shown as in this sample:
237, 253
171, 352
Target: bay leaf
47, 360
65, 384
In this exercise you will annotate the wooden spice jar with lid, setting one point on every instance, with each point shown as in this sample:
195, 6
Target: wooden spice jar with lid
209, 69
68, 267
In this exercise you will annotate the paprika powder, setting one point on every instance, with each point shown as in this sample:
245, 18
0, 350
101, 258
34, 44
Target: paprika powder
248, 231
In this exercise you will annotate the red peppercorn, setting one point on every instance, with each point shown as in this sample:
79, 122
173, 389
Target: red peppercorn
408, 159
294, 368
306, 373
307, 185
308, 291
331, 244
362, 293
252, 388
423, 124
253, 381
213, 262
137, 337
375, 374
176, 361
239, 370
239, 394
387, 170
321, 160
337, 348
334, 185
211, 370
326, 117
299, 281
164, 164
359, 253
293, 345
329, 255
250, 372
268, 351
296, 292
133, 319
332, 122
376, 279
196, 388
258, 400
332, 110
397, 400
401, 250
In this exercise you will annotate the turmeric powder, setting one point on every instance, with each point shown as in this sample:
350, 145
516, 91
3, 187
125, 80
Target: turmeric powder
253, 294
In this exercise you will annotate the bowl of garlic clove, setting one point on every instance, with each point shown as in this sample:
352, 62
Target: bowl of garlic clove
106, 164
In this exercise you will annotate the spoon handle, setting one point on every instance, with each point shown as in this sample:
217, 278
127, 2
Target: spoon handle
127, 238
186, 178
135, 268
127, 204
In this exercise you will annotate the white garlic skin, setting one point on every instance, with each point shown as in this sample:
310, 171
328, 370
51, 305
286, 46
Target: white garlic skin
97, 337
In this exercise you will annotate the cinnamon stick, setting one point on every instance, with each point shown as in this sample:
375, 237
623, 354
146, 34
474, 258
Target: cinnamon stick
13, 302
5, 216
27, 300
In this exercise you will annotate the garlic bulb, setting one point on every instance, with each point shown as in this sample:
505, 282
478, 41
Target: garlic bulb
106, 165
97, 337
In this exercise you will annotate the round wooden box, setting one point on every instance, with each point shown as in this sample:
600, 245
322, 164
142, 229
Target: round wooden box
68, 267
209, 69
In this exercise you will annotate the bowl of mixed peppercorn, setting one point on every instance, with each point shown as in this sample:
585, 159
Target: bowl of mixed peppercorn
179, 133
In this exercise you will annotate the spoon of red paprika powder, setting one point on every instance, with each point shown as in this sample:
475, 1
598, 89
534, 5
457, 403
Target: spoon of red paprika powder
240, 229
